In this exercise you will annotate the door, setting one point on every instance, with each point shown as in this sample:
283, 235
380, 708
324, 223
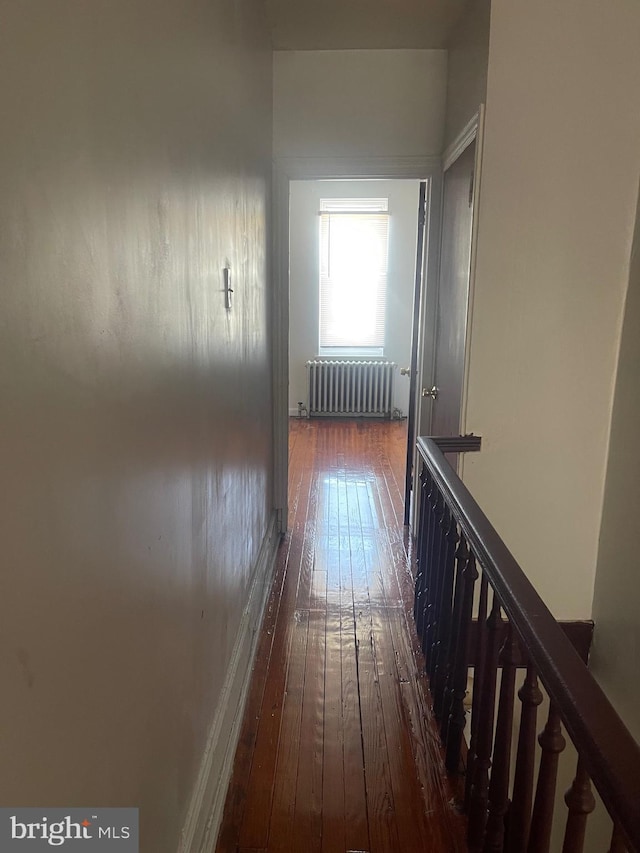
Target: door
446, 392
413, 367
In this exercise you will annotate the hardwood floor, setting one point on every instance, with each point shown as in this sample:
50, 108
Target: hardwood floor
338, 751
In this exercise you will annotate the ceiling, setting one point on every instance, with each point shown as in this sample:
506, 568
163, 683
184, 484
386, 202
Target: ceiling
362, 24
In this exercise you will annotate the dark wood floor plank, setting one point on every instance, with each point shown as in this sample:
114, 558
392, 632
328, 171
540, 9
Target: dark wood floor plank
306, 567
247, 754
259, 785
237, 797
413, 833
383, 828
333, 787
333, 780
307, 823
356, 812
286, 779
356, 817
254, 831
406, 796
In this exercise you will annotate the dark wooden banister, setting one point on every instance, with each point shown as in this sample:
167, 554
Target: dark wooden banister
609, 752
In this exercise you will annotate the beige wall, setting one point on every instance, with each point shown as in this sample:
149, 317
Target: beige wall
358, 103
304, 274
136, 154
334, 24
560, 177
616, 603
467, 67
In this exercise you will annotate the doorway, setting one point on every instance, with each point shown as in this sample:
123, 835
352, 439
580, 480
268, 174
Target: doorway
445, 350
286, 172
453, 294
392, 234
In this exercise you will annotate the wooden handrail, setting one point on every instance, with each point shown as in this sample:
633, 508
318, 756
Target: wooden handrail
609, 753
456, 443
578, 632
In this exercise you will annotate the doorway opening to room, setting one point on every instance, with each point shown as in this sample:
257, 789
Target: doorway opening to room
356, 264
352, 260
420, 280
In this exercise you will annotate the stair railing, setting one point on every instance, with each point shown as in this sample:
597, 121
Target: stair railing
476, 611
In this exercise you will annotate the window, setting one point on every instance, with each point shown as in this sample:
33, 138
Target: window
354, 238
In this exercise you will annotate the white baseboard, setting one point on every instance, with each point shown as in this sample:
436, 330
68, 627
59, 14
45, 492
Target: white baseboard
204, 815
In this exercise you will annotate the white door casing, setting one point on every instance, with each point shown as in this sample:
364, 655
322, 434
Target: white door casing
453, 305
315, 168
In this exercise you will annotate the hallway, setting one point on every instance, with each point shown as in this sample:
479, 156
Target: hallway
337, 751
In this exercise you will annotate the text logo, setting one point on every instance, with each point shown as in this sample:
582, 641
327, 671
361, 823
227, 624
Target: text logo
33, 830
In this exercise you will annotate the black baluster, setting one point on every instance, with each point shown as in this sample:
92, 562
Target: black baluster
520, 813
479, 797
445, 641
580, 802
552, 743
433, 583
501, 762
421, 548
431, 501
478, 674
462, 555
457, 712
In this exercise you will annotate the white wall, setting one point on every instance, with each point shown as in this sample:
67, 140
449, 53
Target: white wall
616, 604
334, 24
304, 282
467, 67
363, 103
557, 208
135, 458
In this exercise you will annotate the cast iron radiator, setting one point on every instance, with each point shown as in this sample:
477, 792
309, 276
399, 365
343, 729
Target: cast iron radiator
342, 388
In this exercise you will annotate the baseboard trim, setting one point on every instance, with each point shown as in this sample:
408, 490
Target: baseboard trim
204, 815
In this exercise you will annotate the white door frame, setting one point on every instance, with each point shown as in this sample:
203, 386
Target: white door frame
477, 181
319, 168
473, 130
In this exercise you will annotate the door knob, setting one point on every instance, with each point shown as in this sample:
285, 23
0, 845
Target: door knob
430, 392
405, 371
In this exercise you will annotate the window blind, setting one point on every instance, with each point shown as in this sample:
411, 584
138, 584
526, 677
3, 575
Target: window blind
354, 238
